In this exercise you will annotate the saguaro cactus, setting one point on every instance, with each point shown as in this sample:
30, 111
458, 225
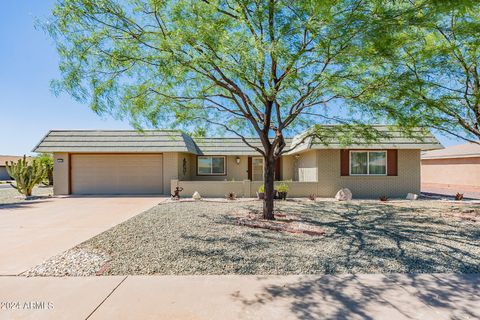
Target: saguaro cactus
27, 174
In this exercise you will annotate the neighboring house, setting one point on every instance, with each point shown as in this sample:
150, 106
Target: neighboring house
156, 161
3, 169
455, 168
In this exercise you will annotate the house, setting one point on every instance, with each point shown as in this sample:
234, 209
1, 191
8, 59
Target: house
157, 161
3, 168
453, 169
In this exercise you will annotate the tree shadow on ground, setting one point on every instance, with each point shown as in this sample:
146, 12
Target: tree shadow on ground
22, 203
370, 238
395, 296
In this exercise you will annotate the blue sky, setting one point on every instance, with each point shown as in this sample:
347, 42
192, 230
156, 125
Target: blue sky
28, 61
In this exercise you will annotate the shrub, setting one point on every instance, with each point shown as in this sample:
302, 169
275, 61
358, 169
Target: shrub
261, 189
26, 174
282, 187
46, 161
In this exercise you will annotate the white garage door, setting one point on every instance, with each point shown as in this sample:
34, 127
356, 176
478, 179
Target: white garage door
116, 174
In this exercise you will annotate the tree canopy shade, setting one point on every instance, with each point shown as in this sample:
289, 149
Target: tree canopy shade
263, 67
432, 60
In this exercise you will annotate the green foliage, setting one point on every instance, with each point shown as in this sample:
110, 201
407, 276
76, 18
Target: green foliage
242, 66
261, 189
46, 161
265, 68
27, 174
429, 56
282, 187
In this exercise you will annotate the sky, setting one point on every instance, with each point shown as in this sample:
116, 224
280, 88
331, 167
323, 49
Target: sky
28, 62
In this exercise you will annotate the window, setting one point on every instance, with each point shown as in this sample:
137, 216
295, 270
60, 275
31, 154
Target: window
368, 162
208, 166
257, 169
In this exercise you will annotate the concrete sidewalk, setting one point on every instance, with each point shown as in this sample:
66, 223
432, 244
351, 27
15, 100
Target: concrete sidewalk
394, 296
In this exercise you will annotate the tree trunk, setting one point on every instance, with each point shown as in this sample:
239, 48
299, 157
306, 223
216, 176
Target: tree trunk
50, 177
269, 177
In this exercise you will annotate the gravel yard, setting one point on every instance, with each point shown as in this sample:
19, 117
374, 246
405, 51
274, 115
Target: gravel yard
11, 196
360, 237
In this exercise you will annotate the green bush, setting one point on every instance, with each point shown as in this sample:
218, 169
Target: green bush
46, 161
282, 187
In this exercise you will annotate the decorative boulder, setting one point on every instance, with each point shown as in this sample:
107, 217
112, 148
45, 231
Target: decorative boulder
412, 196
344, 194
196, 196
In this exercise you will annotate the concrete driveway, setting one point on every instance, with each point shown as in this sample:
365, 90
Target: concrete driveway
32, 232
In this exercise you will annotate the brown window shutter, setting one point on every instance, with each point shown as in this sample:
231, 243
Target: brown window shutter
277, 169
249, 169
344, 162
392, 162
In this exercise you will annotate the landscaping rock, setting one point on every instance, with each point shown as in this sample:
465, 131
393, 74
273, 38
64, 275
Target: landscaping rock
361, 236
344, 194
196, 196
77, 261
412, 196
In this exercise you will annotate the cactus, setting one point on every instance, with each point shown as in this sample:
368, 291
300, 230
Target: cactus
26, 174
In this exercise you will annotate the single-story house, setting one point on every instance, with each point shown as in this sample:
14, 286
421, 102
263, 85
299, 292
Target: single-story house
3, 168
157, 161
455, 169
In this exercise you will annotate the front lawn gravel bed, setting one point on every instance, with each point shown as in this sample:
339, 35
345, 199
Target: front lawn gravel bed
186, 238
11, 196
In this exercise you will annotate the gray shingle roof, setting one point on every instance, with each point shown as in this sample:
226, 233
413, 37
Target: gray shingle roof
176, 141
116, 141
226, 146
390, 137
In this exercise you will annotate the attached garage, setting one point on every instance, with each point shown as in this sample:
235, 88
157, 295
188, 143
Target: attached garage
116, 162
116, 174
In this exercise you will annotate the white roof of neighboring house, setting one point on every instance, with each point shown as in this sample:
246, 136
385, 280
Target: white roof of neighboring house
96, 141
467, 150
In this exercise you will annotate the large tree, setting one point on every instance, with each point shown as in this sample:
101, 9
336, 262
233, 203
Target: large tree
265, 68
432, 64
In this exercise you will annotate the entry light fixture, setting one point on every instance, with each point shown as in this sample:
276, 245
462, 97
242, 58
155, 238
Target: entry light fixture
237, 160
60, 160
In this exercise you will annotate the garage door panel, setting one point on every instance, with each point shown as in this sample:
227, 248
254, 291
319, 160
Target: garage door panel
117, 174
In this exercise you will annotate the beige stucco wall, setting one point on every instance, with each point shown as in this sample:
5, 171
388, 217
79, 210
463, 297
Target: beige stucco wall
170, 169
287, 168
407, 180
213, 188
246, 188
184, 173
458, 172
60, 174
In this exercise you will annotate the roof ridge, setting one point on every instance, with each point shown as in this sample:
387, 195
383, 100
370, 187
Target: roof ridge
116, 130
